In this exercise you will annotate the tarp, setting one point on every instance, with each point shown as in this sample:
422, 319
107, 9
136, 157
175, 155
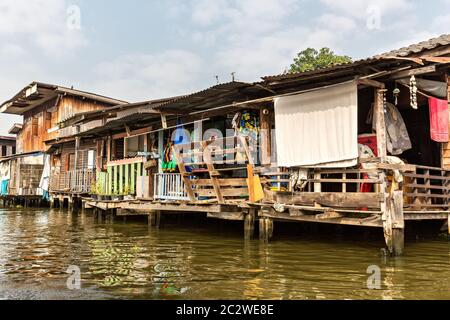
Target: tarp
45, 177
436, 88
318, 128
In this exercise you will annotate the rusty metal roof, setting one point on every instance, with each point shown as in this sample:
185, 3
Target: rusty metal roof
37, 93
142, 113
112, 112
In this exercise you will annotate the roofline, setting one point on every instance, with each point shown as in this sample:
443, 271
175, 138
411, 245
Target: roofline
8, 138
59, 90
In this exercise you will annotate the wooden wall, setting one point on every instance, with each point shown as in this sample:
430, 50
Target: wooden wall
38, 121
68, 155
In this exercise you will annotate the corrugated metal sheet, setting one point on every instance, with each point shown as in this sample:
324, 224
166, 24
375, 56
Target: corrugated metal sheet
38, 93
430, 44
402, 52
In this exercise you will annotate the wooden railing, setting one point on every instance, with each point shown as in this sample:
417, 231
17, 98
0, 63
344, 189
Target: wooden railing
427, 188
169, 186
206, 166
75, 181
348, 188
328, 180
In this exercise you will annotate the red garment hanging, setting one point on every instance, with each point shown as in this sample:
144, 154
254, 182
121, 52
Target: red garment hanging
439, 119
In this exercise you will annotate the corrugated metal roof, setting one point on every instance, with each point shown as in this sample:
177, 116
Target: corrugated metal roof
402, 52
97, 114
37, 93
430, 44
220, 94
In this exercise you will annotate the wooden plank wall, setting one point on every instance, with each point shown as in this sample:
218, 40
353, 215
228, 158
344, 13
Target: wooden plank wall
68, 155
47, 116
446, 146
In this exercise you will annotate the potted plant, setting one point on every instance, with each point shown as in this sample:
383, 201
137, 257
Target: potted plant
117, 196
94, 192
127, 193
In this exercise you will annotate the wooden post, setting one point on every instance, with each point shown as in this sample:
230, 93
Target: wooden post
265, 139
394, 224
265, 229
160, 150
249, 224
448, 224
262, 228
380, 123
77, 150
317, 185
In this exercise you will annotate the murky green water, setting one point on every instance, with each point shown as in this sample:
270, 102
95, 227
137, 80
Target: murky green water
207, 260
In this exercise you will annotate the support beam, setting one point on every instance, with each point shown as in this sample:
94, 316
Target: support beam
164, 121
412, 72
394, 224
448, 224
380, 124
265, 229
266, 142
372, 83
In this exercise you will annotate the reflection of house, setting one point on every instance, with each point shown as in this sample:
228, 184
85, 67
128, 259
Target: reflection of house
43, 106
7, 146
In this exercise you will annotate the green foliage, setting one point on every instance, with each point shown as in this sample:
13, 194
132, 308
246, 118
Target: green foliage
311, 59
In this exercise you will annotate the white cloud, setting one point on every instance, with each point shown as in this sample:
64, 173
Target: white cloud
358, 8
258, 37
42, 23
140, 77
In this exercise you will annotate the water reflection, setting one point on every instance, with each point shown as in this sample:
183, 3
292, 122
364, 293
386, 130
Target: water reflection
129, 261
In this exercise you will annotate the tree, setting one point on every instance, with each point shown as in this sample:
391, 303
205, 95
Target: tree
311, 59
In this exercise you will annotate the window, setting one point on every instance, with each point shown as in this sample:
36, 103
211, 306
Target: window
35, 127
4, 151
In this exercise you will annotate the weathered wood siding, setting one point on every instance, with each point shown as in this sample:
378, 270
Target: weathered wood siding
38, 121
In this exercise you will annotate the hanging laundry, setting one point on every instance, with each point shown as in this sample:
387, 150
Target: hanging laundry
398, 140
439, 116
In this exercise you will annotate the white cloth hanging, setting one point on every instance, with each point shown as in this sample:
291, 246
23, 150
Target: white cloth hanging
318, 128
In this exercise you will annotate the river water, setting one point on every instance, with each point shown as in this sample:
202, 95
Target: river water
204, 260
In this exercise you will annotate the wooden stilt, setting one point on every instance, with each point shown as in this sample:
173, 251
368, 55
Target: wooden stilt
394, 224
158, 220
249, 225
262, 229
265, 229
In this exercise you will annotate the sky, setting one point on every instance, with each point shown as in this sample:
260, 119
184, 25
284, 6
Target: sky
139, 50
